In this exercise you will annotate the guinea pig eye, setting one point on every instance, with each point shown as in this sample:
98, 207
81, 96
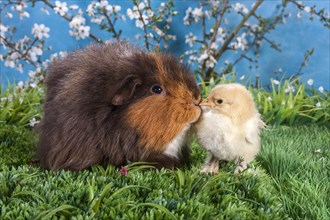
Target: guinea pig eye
157, 89
219, 101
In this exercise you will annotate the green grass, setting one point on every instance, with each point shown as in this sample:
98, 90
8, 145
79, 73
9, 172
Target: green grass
19, 106
292, 181
298, 160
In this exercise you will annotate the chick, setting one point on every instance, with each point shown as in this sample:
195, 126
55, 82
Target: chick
229, 127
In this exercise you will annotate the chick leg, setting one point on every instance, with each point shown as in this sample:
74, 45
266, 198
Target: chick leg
211, 164
206, 166
241, 167
215, 165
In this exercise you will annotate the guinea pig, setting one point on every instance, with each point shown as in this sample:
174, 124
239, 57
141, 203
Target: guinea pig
114, 104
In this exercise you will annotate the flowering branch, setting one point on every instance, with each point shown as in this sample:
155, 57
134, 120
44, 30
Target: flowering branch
154, 25
96, 39
112, 25
142, 19
235, 31
219, 22
312, 11
23, 55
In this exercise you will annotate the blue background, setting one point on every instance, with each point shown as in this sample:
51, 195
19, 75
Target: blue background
296, 37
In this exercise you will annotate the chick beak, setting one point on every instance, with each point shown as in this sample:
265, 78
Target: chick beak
206, 103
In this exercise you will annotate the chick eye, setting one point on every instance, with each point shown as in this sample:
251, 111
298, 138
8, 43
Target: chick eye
157, 89
219, 101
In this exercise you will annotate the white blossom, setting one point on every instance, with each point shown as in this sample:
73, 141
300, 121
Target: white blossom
19, 67
307, 9
141, 21
97, 20
113, 8
34, 52
63, 54
318, 104
133, 14
190, 39
158, 31
11, 60
210, 63
3, 30
73, 7
238, 7
269, 98
33, 122
90, 9
32, 74
203, 57
242, 77
186, 17
77, 21
44, 9
40, 30
310, 82
141, 6
197, 13
61, 8
20, 9
171, 37
104, 3
321, 89
33, 85
241, 42
192, 59
214, 46
8, 14
116, 8
289, 89
20, 85
255, 28
276, 82
138, 36
150, 13
84, 31
3, 99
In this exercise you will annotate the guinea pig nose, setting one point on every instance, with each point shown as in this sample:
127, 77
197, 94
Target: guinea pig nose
198, 101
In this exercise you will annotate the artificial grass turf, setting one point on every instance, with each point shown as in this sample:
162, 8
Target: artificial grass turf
298, 159
296, 184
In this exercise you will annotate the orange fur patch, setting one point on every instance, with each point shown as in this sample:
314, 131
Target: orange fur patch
160, 118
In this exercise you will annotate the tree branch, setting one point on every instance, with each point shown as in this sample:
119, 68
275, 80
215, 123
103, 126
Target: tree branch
23, 55
235, 31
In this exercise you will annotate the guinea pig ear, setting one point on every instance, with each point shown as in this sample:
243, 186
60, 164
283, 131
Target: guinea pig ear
126, 90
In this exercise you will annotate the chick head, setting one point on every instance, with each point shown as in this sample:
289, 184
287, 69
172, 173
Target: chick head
232, 100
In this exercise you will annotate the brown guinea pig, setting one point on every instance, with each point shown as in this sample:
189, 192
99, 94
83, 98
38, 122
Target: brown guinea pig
114, 104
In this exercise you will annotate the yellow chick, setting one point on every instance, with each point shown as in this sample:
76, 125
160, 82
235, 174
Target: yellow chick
229, 127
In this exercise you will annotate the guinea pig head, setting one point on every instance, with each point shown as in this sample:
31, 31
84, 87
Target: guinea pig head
169, 103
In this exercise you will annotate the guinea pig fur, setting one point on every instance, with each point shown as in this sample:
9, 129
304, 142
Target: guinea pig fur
113, 104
